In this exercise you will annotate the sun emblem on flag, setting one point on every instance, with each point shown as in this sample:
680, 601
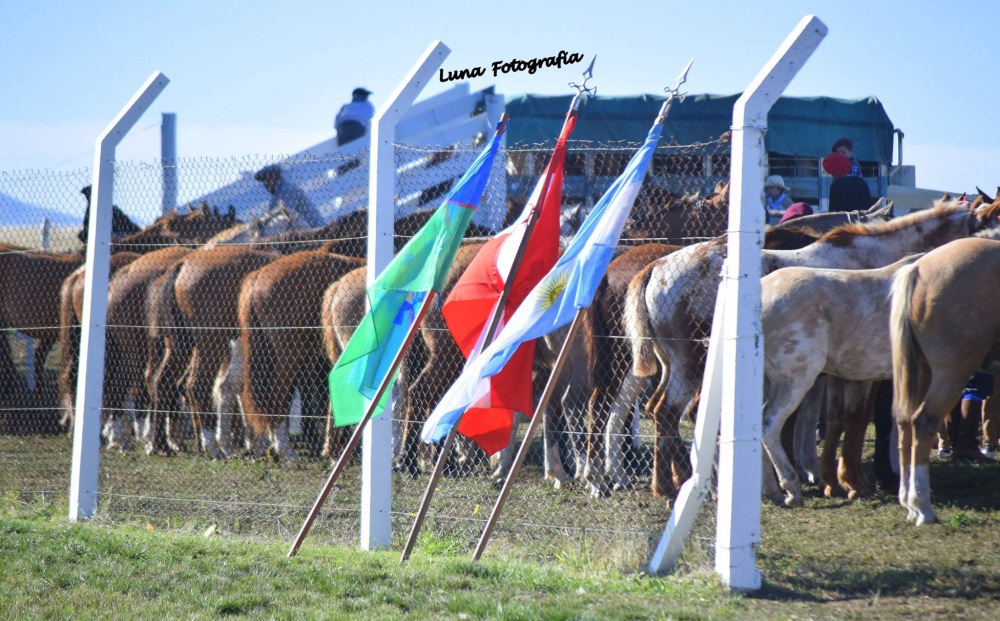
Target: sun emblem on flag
551, 288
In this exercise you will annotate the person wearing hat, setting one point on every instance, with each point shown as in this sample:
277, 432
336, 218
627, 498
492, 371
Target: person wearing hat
353, 119
288, 195
847, 192
797, 210
845, 147
775, 197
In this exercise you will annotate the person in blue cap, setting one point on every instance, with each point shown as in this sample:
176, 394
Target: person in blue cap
353, 119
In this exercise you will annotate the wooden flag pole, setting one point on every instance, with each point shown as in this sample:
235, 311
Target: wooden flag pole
358, 431
536, 418
490, 334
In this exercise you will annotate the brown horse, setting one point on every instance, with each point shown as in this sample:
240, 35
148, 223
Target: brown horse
169, 230
279, 315
126, 345
609, 362
943, 325
197, 302
70, 317
433, 363
29, 303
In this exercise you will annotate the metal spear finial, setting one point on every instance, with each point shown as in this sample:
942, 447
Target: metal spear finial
674, 94
582, 90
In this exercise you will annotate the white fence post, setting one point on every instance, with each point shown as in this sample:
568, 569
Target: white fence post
168, 155
376, 461
738, 516
90, 389
732, 388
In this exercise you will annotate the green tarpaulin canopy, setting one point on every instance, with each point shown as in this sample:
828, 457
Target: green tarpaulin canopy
798, 126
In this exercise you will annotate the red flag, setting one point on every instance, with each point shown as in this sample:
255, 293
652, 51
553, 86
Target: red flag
471, 302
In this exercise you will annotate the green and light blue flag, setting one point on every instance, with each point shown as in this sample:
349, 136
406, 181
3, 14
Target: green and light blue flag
395, 298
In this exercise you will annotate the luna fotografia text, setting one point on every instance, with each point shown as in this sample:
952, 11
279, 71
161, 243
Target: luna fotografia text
515, 65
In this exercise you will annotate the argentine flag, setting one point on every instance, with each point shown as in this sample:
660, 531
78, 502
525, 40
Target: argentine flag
555, 300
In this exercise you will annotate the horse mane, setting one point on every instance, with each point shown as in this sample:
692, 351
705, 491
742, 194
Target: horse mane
990, 211
846, 234
790, 238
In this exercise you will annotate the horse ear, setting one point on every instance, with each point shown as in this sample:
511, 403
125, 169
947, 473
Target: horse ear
231, 213
946, 198
205, 209
215, 212
986, 197
874, 208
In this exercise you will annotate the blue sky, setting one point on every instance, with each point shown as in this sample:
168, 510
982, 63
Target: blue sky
265, 78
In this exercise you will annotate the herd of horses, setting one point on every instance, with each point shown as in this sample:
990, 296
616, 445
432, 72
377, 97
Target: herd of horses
214, 324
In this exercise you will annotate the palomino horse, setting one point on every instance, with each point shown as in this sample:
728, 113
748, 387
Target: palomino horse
680, 297
943, 325
820, 321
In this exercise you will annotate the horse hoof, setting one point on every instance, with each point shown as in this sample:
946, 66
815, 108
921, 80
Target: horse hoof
599, 491
793, 501
852, 494
622, 485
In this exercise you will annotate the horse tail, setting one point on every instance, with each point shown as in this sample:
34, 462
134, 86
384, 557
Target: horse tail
258, 359
597, 332
69, 346
162, 313
330, 345
639, 326
907, 357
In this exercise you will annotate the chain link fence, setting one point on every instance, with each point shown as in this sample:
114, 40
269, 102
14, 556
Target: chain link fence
225, 318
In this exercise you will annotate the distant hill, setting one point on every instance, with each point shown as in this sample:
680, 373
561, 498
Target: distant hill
14, 212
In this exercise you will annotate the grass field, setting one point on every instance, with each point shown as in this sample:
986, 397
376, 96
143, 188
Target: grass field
831, 559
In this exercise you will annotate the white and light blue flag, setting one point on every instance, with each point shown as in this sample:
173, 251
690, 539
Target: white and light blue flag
555, 300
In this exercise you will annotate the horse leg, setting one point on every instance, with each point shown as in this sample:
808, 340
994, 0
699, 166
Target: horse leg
926, 420
198, 390
556, 423
781, 396
806, 423
857, 415
905, 432
501, 461
225, 391
620, 409
165, 367
831, 440
669, 442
